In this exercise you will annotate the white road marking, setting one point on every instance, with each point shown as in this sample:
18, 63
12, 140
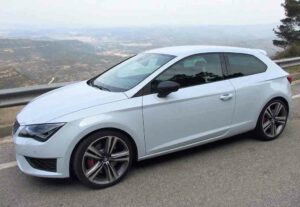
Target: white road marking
3, 166
296, 96
8, 165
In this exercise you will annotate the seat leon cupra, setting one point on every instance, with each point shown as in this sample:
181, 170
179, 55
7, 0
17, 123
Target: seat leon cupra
157, 102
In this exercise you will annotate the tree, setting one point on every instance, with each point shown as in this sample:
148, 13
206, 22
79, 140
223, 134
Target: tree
289, 31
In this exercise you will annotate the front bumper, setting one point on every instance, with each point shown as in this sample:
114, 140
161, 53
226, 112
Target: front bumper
26, 168
58, 148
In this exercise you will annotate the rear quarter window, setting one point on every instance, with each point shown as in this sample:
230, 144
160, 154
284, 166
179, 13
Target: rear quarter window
243, 65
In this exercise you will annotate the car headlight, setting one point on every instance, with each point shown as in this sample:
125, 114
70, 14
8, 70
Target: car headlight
40, 132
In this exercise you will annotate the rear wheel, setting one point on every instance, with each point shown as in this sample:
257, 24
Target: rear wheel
272, 120
103, 159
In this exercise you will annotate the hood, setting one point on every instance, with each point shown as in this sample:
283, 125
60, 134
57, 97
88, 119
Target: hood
65, 100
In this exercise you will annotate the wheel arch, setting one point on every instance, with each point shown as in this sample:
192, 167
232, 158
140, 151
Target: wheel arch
284, 100
133, 143
272, 99
258, 131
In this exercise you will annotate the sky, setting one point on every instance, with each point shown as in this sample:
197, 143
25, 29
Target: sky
139, 12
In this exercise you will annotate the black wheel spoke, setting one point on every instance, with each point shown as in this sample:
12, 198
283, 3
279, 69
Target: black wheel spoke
269, 112
111, 172
120, 157
93, 172
278, 109
273, 129
267, 125
280, 120
92, 152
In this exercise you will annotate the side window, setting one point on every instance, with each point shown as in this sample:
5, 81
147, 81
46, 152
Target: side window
242, 64
193, 70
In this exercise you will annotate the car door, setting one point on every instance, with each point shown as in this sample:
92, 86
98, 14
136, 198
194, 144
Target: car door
201, 109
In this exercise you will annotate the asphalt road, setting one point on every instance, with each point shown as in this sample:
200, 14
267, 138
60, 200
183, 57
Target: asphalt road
239, 171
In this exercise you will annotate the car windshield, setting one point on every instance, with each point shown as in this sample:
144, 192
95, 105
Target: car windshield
131, 72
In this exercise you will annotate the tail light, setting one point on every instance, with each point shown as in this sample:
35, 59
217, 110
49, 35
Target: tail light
290, 78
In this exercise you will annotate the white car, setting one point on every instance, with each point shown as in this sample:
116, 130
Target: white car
154, 103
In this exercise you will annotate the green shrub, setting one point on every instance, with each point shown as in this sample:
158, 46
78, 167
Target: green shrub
289, 52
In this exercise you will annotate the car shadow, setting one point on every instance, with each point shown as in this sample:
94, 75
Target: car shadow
59, 182
194, 150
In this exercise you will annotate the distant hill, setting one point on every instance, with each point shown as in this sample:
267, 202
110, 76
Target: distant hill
55, 52
28, 62
9, 75
39, 56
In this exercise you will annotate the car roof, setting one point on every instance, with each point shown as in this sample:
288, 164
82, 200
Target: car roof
195, 49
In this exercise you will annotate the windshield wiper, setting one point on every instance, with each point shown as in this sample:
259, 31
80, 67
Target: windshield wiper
102, 88
98, 86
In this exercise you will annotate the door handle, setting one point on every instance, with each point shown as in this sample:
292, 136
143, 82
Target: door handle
226, 97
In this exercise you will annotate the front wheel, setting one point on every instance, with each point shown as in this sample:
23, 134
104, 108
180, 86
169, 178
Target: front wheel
103, 159
272, 120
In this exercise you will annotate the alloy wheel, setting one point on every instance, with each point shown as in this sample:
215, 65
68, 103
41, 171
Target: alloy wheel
105, 160
274, 119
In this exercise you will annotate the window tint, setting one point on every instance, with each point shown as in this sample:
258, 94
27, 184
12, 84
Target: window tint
194, 70
242, 64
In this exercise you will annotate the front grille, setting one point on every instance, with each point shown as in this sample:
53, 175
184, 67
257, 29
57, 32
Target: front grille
15, 127
42, 164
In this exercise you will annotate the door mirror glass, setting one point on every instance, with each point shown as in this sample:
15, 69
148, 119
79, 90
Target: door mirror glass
166, 87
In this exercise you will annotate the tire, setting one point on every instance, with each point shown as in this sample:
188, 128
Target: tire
269, 118
103, 159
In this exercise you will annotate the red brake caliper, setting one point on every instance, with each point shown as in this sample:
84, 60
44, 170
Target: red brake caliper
265, 119
90, 163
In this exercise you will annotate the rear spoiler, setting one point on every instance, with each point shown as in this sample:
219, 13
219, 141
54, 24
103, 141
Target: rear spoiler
262, 52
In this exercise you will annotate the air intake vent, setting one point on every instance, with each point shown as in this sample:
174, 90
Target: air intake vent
42, 164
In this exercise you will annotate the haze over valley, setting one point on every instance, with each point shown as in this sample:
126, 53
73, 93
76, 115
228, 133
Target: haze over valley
40, 55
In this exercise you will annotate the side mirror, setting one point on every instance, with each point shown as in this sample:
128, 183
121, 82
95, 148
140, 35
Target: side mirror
166, 87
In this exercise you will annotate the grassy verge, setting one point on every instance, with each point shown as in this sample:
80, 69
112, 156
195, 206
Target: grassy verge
5, 130
7, 118
294, 69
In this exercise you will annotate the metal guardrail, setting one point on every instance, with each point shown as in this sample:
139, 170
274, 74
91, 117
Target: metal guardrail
289, 62
21, 96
